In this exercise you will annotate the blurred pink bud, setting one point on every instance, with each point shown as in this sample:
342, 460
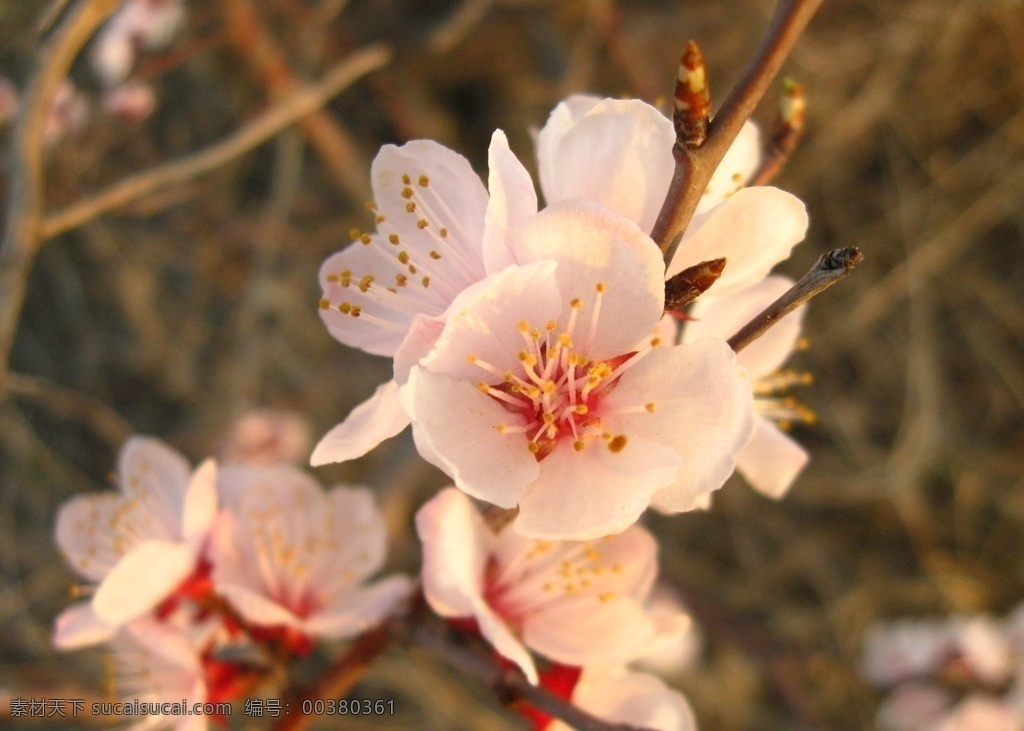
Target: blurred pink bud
267, 437
131, 102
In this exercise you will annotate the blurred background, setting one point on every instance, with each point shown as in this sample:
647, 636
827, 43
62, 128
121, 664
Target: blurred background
177, 313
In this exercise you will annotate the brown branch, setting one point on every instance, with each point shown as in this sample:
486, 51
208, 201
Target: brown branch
283, 114
694, 167
510, 685
25, 207
828, 270
70, 404
336, 149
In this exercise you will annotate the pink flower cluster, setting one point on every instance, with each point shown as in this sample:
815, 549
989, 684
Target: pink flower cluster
188, 567
962, 673
535, 363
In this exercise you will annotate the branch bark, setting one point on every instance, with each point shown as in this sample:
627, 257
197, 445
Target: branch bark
282, 115
828, 270
25, 206
694, 167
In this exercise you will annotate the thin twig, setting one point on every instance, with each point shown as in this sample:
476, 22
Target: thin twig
25, 208
694, 167
336, 150
283, 114
509, 684
70, 404
828, 270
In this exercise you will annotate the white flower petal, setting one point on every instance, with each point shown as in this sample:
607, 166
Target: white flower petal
149, 467
723, 317
353, 515
560, 121
512, 201
460, 426
754, 230
700, 404
456, 548
143, 578
447, 194
739, 164
594, 492
771, 461
618, 154
80, 626
378, 418
638, 699
256, 607
359, 609
593, 245
483, 325
84, 536
503, 640
423, 335
200, 504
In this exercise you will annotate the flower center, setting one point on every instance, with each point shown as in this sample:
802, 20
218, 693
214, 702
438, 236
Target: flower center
556, 389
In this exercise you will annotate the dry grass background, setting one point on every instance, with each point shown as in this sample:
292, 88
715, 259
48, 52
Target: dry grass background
187, 308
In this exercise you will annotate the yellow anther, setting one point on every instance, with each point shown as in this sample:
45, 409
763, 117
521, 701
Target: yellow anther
393, 239
535, 334
364, 283
407, 193
548, 418
578, 445
379, 219
370, 206
344, 308
426, 282
617, 444
549, 387
551, 325
406, 180
354, 234
655, 342
581, 409
332, 277
424, 181
434, 255
422, 224
471, 358
325, 304
650, 407
410, 207
401, 280
485, 387
601, 287
523, 326
444, 233
533, 447
403, 256
576, 303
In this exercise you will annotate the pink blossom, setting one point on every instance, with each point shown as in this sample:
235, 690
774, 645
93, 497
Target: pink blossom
139, 545
287, 555
548, 390
265, 437
574, 603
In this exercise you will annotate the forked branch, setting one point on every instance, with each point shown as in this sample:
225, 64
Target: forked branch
695, 166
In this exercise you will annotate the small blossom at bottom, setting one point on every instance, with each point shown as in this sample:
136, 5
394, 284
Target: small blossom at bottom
294, 559
577, 603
